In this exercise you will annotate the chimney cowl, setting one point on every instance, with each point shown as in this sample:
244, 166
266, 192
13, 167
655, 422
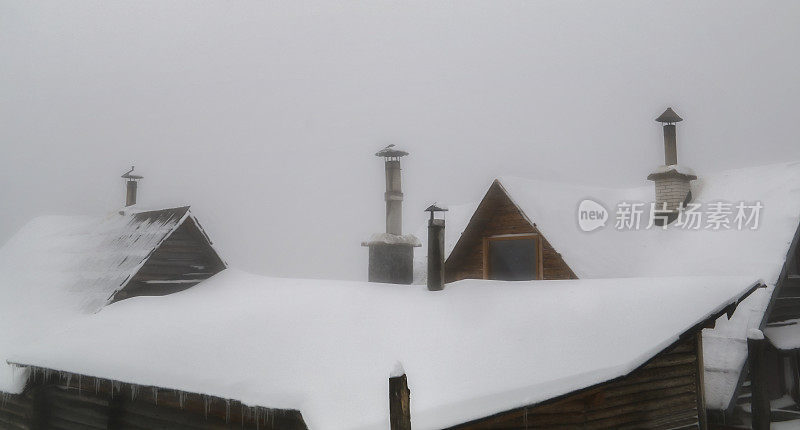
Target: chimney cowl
669, 117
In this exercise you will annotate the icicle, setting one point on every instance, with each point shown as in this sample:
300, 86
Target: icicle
69, 379
96, 385
227, 411
256, 412
155, 395
181, 398
134, 391
79, 385
205, 406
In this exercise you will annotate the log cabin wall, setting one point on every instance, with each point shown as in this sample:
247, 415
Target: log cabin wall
665, 393
498, 215
183, 260
73, 403
16, 411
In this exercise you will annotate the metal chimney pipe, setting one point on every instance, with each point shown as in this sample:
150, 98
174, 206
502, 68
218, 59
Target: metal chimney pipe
435, 250
394, 189
131, 183
669, 118
394, 198
130, 198
670, 145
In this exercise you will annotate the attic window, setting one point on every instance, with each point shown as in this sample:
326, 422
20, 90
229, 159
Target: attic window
512, 257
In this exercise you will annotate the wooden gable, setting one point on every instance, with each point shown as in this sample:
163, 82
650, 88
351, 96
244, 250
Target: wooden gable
182, 260
498, 215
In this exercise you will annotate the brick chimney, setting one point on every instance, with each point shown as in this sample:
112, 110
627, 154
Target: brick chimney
672, 181
391, 254
131, 184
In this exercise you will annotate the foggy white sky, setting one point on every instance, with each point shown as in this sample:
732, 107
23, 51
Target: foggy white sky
265, 116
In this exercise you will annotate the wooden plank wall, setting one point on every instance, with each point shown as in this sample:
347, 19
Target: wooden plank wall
75, 403
16, 411
182, 261
496, 215
663, 394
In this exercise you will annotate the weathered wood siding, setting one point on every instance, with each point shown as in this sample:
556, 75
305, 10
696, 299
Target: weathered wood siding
496, 215
662, 394
73, 403
16, 411
183, 260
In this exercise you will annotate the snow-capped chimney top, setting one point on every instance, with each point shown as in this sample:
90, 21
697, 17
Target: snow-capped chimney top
131, 182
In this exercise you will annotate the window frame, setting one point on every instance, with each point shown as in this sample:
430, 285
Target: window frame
522, 236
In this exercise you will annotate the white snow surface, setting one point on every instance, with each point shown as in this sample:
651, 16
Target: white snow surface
785, 336
327, 348
59, 268
611, 253
392, 239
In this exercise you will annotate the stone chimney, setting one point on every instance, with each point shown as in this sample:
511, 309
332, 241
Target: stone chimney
391, 254
435, 249
672, 181
131, 184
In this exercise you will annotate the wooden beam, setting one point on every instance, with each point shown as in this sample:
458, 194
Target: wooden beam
758, 383
399, 403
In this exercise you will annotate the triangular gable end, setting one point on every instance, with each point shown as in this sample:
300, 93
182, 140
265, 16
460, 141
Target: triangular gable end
498, 215
183, 258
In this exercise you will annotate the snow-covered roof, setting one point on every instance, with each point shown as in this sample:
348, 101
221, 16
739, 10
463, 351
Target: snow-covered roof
609, 252
785, 336
327, 348
57, 268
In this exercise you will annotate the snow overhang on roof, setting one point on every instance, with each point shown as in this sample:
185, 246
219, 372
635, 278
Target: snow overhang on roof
326, 348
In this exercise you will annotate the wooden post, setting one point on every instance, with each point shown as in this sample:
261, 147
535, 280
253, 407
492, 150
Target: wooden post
399, 403
702, 417
758, 384
795, 362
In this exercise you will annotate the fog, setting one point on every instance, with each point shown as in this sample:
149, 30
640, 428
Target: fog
265, 116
